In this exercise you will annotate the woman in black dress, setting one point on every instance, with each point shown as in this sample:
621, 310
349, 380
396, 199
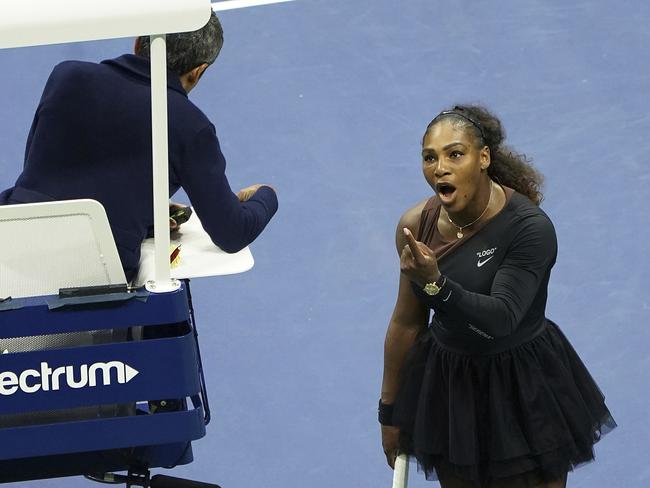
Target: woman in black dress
490, 393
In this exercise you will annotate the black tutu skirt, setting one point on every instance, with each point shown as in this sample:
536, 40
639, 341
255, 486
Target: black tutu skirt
520, 417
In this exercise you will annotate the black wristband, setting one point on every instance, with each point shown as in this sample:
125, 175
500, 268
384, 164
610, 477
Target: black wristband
385, 413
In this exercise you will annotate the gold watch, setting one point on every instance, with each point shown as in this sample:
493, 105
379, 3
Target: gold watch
434, 288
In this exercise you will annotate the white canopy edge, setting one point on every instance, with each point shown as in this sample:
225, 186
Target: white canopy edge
36, 22
233, 4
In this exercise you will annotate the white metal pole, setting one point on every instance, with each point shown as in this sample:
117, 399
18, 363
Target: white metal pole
162, 276
401, 473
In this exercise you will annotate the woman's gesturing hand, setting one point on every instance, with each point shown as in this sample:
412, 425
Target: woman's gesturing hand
418, 262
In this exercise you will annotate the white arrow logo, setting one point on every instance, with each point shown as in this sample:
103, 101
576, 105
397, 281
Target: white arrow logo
130, 372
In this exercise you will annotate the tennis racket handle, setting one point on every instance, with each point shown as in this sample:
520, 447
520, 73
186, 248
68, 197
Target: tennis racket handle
161, 481
401, 472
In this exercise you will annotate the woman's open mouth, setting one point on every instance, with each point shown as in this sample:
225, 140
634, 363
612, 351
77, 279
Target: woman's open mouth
445, 192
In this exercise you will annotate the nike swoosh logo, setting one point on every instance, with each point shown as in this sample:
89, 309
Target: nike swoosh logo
481, 263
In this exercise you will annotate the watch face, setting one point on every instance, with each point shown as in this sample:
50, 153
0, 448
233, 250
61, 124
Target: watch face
431, 289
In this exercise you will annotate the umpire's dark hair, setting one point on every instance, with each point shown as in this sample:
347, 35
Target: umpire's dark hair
507, 167
187, 50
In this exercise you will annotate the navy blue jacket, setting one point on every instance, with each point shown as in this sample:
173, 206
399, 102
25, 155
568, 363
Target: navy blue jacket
91, 138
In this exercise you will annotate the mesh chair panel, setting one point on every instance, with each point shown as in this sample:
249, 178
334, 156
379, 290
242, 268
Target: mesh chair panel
69, 247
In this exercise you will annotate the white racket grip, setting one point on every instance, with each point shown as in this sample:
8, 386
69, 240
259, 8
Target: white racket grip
401, 472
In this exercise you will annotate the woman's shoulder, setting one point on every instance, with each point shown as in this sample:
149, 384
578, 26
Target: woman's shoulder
411, 220
527, 219
522, 207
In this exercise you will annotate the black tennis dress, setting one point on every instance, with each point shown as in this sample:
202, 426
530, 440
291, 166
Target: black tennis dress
492, 392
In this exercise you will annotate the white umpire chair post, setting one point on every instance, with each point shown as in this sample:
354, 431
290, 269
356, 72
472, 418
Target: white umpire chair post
162, 281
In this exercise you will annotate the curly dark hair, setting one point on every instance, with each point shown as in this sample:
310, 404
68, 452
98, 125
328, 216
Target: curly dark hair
507, 167
187, 50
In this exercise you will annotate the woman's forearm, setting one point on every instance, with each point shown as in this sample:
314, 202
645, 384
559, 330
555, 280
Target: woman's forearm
398, 342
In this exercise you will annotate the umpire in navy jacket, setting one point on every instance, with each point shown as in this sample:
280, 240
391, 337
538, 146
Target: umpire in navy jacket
91, 138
